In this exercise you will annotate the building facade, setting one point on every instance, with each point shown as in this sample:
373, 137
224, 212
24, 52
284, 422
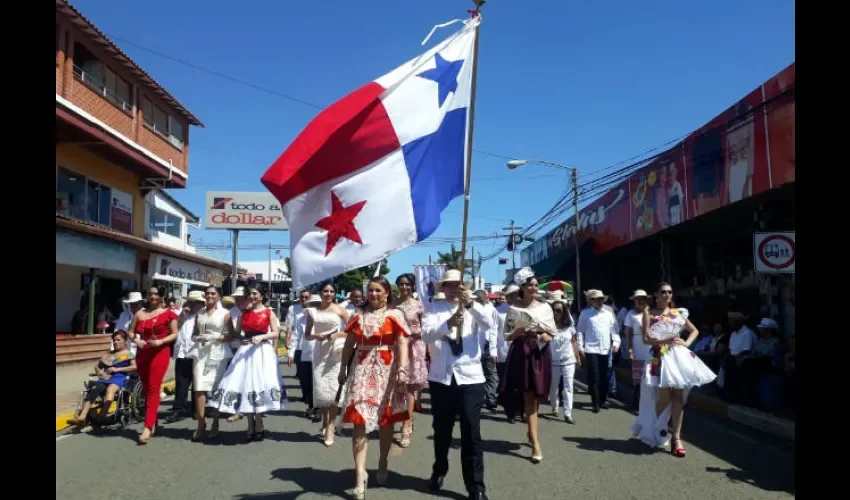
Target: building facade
120, 139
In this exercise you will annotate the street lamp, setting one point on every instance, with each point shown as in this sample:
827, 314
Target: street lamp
513, 164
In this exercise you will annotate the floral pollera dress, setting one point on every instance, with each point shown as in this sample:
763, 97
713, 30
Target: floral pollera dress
669, 367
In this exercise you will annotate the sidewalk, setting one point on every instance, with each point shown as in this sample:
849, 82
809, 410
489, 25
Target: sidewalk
759, 420
69, 383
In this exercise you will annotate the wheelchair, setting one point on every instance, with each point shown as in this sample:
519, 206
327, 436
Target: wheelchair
129, 404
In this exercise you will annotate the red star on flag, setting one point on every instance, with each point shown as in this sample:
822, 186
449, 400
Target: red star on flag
340, 223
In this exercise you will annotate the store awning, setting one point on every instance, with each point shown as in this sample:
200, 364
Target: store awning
105, 233
75, 249
172, 279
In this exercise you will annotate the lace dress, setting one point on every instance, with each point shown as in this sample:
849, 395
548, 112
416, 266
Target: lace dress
372, 397
252, 382
417, 371
669, 367
327, 356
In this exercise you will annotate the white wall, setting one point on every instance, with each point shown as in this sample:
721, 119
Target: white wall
160, 202
67, 295
262, 267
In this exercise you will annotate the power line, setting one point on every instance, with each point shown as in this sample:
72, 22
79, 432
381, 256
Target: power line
254, 86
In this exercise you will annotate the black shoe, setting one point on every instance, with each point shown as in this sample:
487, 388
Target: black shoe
604, 406
436, 483
174, 417
511, 420
478, 496
595, 408
308, 413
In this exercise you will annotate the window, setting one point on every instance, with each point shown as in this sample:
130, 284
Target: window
98, 203
83, 198
91, 71
163, 222
70, 194
163, 123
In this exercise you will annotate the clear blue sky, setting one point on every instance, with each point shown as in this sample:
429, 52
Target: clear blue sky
582, 83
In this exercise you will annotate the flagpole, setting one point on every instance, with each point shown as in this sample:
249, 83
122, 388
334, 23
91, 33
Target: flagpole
476, 12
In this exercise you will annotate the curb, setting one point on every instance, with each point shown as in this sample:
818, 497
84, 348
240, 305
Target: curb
63, 417
759, 420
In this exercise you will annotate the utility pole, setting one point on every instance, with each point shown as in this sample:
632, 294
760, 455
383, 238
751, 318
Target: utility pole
578, 225
513, 229
472, 265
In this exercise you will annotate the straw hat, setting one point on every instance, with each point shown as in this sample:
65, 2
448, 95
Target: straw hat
595, 294
228, 301
133, 297
196, 296
512, 288
556, 296
639, 294
239, 292
768, 323
314, 299
451, 276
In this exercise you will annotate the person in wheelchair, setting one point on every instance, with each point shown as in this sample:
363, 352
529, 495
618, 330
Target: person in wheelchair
112, 371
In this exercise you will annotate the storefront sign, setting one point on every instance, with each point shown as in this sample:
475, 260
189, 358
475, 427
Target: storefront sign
122, 212
171, 269
559, 239
744, 151
231, 210
775, 252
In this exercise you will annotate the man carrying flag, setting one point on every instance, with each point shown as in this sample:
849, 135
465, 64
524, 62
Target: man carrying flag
372, 174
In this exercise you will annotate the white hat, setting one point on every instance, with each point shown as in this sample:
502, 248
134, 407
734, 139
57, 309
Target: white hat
638, 294
768, 323
314, 298
594, 294
133, 297
196, 296
523, 275
240, 292
439, 296
512, 288
556, 296
452, 275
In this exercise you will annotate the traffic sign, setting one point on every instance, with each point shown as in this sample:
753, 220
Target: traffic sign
775, 252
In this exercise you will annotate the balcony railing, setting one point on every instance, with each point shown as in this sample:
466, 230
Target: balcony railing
95, 82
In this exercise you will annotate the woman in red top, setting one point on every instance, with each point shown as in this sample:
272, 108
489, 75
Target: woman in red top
154, 329
376, 393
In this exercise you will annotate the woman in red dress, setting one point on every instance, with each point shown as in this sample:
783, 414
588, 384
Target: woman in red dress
376, 393
154, 329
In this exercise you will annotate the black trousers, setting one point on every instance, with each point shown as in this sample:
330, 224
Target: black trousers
597, 378
182, 381
304, 372
491, 386
448, 402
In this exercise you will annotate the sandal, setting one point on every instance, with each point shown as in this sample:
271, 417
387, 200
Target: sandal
406, 435
359, 490
677, 451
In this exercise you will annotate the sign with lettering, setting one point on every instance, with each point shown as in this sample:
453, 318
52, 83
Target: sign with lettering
233, 210
121, 212
173, 269
775, 252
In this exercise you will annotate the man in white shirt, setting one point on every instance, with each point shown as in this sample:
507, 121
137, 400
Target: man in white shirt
133, 304
506, 298
637, 351
741, 342
491, 353
182, 363
300, 350
597, 334
355, 298
456, 380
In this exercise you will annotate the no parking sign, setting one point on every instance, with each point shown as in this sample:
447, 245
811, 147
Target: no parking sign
775, 252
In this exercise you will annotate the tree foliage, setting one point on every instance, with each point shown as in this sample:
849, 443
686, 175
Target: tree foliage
354, 279
452, 259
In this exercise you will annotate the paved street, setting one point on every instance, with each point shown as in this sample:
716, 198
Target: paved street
594, 459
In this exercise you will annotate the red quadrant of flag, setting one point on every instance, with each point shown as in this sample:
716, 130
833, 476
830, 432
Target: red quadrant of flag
352, 133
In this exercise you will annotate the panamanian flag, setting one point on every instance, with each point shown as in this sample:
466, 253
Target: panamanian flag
372, 173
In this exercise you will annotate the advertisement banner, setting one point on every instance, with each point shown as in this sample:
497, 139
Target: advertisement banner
427, 278
746, 150
244, 210
121, 217
781, 130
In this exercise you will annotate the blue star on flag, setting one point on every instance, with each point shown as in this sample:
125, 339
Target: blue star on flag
444, 75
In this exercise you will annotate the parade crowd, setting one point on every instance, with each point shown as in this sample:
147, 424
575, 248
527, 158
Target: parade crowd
365, 362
